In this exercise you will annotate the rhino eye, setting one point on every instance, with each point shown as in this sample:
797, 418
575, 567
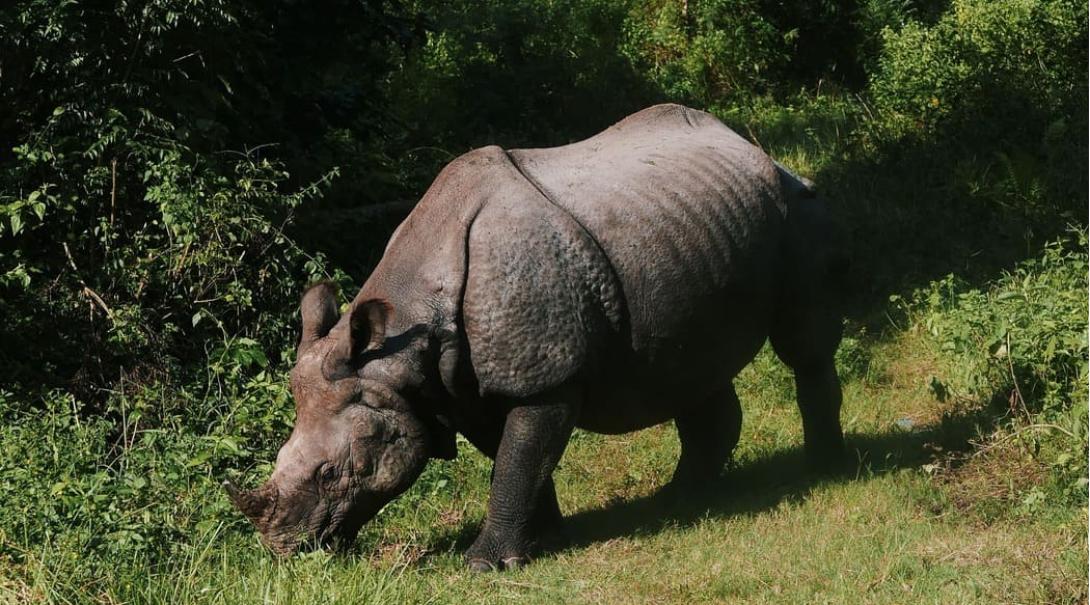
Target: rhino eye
327, 474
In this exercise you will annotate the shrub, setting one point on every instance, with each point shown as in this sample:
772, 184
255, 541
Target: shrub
88, 494
141, 278
1033, 319
708, 53
1022, 342
130, 237
1006, 63
514, 74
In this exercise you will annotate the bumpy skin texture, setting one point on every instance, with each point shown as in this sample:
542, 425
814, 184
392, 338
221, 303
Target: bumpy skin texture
610, 284
689, 216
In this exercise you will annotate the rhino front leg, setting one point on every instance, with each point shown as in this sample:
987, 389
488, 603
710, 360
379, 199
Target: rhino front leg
548, 522
534, 437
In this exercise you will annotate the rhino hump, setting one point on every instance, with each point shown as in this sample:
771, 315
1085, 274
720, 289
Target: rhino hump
683, 207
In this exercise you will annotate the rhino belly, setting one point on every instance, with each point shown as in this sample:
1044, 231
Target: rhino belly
645, 386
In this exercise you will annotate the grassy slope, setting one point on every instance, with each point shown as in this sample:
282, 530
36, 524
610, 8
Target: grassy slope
899, 530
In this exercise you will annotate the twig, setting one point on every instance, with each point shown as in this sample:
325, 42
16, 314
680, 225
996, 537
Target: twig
892, 321
181, 260
431, 148
865, 106
753, 135
1014, 379
248, 152
1028, 427
87, 291
113, 189
186, 56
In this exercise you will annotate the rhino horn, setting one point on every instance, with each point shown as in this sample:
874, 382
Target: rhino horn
252, 503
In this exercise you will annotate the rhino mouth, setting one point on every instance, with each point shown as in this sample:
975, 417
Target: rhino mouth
335, 533
339, 540
339, 535
286, 544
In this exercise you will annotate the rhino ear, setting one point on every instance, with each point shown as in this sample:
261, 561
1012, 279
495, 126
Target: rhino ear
367, 325
319, 310
367, 322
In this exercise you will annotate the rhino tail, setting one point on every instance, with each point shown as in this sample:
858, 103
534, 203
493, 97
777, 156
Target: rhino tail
795, 186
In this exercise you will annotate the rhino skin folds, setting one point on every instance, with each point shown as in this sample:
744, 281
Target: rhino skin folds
610, 284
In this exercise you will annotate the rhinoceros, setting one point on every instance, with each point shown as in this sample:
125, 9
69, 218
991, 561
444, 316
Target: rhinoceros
611, 284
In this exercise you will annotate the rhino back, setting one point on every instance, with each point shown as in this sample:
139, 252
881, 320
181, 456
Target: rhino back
689, 215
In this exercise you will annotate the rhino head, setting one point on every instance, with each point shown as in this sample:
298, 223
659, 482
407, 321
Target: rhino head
357, 442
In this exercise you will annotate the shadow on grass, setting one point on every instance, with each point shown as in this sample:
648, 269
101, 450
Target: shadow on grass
760, 485
763, 484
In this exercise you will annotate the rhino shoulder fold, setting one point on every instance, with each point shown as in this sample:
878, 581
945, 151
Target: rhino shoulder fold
541, 298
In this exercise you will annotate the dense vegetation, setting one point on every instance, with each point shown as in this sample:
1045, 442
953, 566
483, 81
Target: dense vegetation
173, 172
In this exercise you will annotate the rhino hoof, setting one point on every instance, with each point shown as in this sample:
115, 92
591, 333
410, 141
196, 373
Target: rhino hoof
513, 563
480, 565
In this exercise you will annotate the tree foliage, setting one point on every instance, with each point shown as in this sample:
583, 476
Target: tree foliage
144, 198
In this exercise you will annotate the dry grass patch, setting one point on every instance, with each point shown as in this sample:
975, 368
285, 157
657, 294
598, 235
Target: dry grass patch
1014, 561
991, 482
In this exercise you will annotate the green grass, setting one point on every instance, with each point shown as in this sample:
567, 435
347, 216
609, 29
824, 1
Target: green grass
906, 526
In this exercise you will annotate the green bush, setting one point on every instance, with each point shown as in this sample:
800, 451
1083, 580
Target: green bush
98, 279
1022, 343
514, 74
1032, 320
985, 59
84, 492
1005, 80
131, 234
706, 52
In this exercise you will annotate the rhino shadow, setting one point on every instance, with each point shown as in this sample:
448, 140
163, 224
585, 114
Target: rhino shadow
758, 485
781, 477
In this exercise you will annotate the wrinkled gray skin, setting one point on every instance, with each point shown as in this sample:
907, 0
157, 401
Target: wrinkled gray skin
611, 284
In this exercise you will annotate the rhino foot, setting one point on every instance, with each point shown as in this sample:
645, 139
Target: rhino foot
497, 550
508, 564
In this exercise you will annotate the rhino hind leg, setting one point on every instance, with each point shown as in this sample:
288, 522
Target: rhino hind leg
522, 504
708, 435
806, 340
819, 398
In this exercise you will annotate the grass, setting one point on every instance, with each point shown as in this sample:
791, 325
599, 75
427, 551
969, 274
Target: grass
913, 523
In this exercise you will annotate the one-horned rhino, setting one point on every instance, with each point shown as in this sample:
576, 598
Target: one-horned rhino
610, 284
